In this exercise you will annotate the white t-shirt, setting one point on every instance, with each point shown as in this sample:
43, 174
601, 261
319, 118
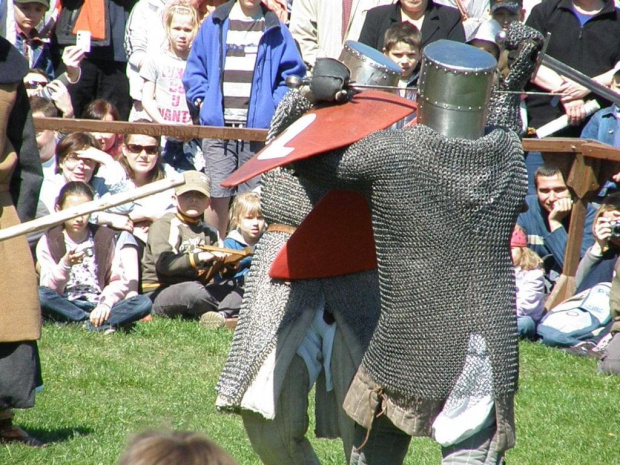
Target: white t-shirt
166, 69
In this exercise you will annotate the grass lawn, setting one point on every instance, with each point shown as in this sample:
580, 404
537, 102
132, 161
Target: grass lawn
99, 389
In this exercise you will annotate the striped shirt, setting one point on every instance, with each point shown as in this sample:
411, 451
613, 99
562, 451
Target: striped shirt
244, 34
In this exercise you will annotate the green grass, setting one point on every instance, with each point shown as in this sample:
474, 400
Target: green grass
100, 389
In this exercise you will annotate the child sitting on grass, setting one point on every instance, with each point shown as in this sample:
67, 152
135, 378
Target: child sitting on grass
530, 284
175, 269
81, 276
247, 226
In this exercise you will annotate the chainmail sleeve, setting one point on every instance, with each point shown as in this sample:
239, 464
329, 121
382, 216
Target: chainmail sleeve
523, 44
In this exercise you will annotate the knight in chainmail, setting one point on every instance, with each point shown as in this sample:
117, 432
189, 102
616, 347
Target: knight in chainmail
274, 360
444, 197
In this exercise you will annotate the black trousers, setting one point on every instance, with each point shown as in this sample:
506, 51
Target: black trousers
101, 79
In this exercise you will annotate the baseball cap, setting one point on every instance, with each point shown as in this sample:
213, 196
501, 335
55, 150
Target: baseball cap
194, 181
518, 239
45, 3
512, 5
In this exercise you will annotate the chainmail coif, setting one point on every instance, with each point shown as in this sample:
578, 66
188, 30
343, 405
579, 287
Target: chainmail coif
523, 44
443, 211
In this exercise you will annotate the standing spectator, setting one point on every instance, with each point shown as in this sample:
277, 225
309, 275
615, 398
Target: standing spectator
20, 316
585, 34
321, 27
103, 69
434, 22
28, 14
163, 95
604, 126
235, 76
144, 33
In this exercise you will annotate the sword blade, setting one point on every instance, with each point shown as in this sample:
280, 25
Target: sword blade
580, 78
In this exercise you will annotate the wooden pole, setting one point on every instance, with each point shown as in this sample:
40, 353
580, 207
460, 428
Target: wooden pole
57, 218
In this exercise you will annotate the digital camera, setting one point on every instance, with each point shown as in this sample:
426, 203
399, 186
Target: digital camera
615, 229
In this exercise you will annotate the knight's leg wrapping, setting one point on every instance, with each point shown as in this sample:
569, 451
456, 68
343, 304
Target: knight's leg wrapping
384, 445
282, 441
478, 449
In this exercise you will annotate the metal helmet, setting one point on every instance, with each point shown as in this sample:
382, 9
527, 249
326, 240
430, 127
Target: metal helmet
369, 66
491, 32
454, 88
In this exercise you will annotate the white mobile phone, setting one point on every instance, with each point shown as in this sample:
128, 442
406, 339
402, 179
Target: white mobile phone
83, 40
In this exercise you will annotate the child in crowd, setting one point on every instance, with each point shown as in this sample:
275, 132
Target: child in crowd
102, 110
174, 448
247, 226
82, 278
530, 284
163, 95
175, 270
402, 46
236, 76
28, 14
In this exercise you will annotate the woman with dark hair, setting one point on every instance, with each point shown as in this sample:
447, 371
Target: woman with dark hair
102, 110
142, 161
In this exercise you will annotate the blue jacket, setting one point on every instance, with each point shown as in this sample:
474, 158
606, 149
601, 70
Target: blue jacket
602, 126
546, 243
41, 54
277, 58
235, 241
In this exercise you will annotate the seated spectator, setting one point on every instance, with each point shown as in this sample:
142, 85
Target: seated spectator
102, 110
82, 278
46, 138
78, 158
548, 217
597, 265
28, 14
143, 165
530, 283
175, 270
163, 95
247, 226
604, 127
46, 142
174, 448
434, 22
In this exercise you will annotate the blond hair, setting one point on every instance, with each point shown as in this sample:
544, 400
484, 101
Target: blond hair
244, 204
181, 7
527, 259
173, 448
